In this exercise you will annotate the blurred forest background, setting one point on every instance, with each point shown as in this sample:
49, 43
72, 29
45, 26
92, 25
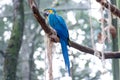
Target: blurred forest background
23, 46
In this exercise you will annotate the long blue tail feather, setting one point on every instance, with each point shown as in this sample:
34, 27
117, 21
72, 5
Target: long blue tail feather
65, 54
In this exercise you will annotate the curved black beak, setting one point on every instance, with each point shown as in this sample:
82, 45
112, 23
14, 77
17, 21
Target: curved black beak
45, 13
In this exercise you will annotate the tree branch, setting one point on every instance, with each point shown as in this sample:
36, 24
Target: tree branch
49, 31
113, 9
107, 55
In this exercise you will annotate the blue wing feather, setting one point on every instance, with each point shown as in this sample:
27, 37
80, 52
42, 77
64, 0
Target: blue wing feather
58, 23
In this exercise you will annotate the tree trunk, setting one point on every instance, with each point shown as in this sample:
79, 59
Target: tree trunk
12, 51
118, 5
118, 25
115, 62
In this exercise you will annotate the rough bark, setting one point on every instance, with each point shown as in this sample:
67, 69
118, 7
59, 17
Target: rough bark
14, 44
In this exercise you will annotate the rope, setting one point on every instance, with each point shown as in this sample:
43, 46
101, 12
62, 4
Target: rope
109, 24
96, 53
45, 39
49, 56
48, 59
103, 37
91, 27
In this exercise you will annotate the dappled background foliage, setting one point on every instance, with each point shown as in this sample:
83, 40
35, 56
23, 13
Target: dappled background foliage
32, 63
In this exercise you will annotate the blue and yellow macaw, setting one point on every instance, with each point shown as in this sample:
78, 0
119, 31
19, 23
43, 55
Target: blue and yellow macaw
58, 23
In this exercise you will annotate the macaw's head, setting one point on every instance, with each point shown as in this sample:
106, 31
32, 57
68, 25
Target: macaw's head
49, 11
